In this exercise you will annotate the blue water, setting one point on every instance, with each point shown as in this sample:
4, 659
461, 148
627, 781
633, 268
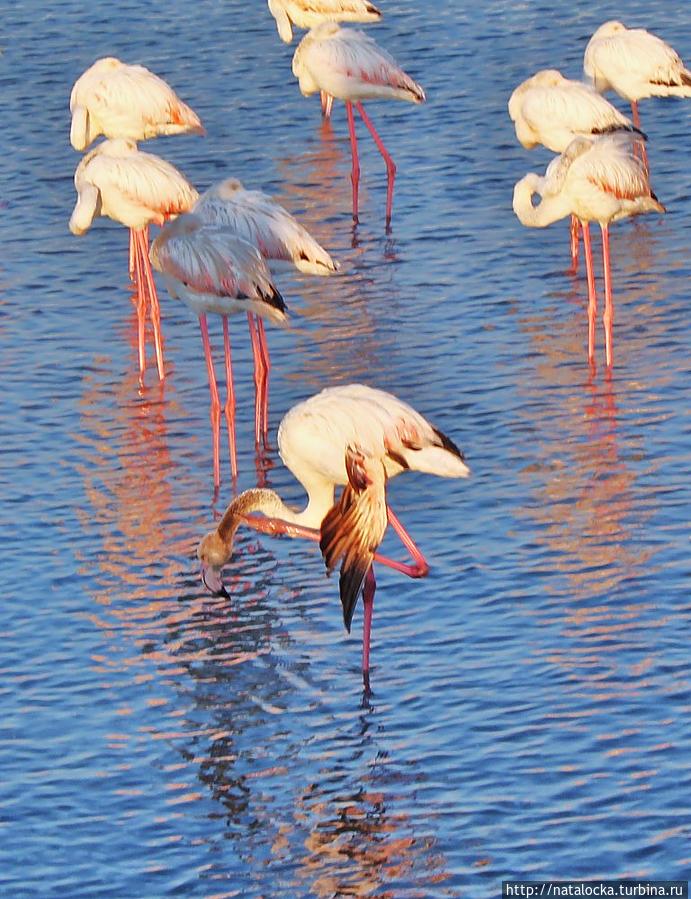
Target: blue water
531, 698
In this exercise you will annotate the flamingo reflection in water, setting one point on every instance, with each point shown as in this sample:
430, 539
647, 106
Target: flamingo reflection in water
356, 437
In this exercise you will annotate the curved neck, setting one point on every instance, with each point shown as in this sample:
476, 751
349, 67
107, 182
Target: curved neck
255, 500
548, 210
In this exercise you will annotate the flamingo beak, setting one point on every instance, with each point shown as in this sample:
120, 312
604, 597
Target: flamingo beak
212, 580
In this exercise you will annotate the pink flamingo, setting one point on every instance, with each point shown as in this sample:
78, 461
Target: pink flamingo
357, 437
350, 66
596, 180
134, 188
211, 269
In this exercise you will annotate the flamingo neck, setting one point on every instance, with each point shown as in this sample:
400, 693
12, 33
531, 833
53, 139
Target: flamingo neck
268, 502
549, 209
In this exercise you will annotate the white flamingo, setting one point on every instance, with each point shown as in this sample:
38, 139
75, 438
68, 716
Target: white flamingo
211, 269
349, 65
136, 189
551, 110
635, 64
120, 100
308, 14
353, 436
596, 180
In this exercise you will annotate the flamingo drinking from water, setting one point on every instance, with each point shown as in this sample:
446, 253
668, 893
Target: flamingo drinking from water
349, 65
551, 110
357, 437
596, 180
213, 270
134, 188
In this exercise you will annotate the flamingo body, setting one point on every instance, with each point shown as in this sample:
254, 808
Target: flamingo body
551, 110
120, 100
351, 66
635, 64
307, 14
121, 182
258, 219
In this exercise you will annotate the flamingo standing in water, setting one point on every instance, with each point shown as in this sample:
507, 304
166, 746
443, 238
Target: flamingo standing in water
349, 65
310, 13
596, 180
134, 188
635, 64
120, 100
213, 270
264, 223
551, 110
353, 436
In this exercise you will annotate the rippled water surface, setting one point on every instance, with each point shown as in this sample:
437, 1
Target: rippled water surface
531, 699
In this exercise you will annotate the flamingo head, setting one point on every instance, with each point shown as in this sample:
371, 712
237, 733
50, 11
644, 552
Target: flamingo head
213, 553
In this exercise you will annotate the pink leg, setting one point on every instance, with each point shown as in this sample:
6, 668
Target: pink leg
259, 377
140, 302
355, 174
264, 348
215, 413
574, 244
143, 241
592, 295
640, 144
390, 164
368, 602
133, 250
327, 103
608, 315
230, 401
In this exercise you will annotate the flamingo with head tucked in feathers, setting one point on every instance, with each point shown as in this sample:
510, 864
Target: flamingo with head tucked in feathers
308, 14
134, 188
349, 65
356, 437
260, 220
550, 110
635, 64
120, 100
211, 269
596, 180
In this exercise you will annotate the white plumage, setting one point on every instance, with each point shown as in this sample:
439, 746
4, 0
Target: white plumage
309, 13
261, 221
120, 100
551, 110
635, 64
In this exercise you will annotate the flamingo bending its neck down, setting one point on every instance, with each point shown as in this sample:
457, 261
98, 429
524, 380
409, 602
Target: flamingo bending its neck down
261, 221
120, 100
635, 64
211, 269
357, 437
308, 14
349, 65
596, 180
134, 188
551, 110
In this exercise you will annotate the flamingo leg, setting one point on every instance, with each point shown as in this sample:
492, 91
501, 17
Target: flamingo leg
390, 164
639, 143
264, 348
142, 238
574, 244
259, 377
355, 174
592, 295
608, 315
215, 413
132, 261
368, 591
140, 303
327, 102
230, 401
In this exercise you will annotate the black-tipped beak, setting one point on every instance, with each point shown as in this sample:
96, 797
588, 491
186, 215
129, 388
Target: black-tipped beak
212, 580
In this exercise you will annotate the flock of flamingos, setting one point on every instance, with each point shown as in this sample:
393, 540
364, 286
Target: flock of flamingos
212, 251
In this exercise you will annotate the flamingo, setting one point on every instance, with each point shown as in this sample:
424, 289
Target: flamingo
635, 64
551, 110
596, 180
269, 227
357, 437
134, 188
120, 100
309, 13
211, 269
349, 65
